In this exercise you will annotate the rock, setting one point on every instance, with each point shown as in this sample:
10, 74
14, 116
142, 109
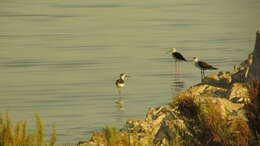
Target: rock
254, 70
209, 106
239, 76
168, 132
152, 122
226, 106
223, 79
205, 90
238, 93
97, 139
172, 129
137, 126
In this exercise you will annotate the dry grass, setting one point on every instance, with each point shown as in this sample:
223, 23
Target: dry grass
187, 106
218, 130
252, 107
20, 136
208, 126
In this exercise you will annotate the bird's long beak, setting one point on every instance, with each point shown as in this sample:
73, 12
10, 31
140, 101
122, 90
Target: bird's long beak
169, 51
128, 76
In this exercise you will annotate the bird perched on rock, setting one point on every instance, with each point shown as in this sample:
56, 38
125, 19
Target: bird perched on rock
178, 57
245, 65
247, 62
202, 66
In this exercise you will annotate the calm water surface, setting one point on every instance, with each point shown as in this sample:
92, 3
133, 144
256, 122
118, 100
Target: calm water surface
61, 58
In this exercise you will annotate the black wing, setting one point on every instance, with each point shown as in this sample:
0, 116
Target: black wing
205, 65
178, 55
120, 81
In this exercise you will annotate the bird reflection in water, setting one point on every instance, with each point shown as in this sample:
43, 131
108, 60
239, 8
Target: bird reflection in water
120, 108
178, 58
120, 104
177, 85
120, 83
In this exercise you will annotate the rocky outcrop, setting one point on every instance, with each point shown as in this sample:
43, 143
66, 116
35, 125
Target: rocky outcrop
238, 93
205, 90
222, 79
205, 114
165, 125
254, 71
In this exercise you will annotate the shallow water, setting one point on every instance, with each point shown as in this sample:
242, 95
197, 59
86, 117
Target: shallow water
61, 58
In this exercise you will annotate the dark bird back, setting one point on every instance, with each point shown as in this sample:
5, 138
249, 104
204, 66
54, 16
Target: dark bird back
120, 81
178, 56
206, 66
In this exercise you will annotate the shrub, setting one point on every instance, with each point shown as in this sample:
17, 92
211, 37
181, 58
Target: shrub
209, 126
186, 106
252, 107
20, 136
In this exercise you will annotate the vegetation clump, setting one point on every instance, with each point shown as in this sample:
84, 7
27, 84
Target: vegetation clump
252, 108
208, 126
187, 106
110, 136
20, 135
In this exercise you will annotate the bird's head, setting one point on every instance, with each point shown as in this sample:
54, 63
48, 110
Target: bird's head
124, 76
172, 50
250, 56
195, 59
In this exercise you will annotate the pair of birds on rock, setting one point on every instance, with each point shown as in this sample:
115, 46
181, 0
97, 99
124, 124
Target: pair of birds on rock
198, 63
178, 57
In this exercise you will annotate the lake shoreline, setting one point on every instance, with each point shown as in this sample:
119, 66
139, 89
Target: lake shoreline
216, 111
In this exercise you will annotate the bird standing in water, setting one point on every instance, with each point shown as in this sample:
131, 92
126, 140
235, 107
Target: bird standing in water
121, 82
178, 57
202, 66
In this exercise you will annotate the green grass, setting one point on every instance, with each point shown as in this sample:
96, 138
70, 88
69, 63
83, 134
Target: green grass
20, 136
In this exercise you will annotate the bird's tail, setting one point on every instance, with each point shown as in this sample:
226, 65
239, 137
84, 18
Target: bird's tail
214, 68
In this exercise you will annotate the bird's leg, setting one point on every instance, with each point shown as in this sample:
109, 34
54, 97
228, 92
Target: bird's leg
179, 70
175, 66
120, 101
203, 73
119, 92
177, 63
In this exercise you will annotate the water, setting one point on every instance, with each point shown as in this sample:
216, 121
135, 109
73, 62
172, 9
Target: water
61, 58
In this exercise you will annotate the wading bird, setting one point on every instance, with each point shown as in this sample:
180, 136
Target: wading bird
121, 82
178, 57
202, 66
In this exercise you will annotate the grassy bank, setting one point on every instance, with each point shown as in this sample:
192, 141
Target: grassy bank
19, 135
